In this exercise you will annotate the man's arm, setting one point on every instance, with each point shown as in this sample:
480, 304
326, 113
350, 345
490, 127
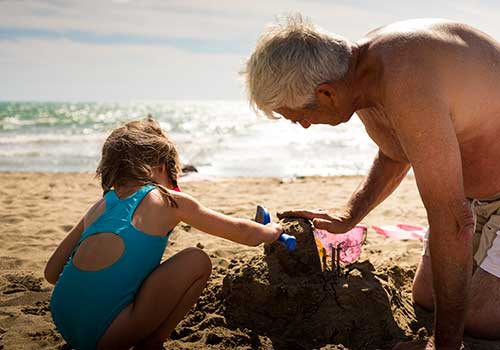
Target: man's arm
383, 178
423, 125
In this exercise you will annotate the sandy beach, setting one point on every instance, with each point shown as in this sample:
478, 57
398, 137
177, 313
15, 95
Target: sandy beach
38, 209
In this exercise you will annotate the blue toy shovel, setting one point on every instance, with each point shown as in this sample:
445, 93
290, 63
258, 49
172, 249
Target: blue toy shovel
262, 217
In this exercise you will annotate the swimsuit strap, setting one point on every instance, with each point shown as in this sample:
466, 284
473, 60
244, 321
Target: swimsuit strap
135, 199
125, 206
112, 198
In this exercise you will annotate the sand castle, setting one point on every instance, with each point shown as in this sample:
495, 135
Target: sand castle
283, 300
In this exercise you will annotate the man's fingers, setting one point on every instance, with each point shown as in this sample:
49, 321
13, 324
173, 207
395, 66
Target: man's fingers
330, 225
323, 224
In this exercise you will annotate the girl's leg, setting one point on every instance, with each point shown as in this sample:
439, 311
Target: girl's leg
162, 301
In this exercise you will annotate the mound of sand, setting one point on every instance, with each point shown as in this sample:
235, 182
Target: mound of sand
283, 300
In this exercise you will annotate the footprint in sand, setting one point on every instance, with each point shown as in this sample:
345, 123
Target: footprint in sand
10, 219
50, 335
20, 283
40, 308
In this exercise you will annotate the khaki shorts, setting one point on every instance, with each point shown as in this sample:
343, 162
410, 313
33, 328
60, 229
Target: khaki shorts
486, 243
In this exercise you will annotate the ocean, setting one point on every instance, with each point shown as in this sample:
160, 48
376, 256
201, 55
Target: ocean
220, 138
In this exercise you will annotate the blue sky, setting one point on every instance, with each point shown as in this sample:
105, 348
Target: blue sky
121, 50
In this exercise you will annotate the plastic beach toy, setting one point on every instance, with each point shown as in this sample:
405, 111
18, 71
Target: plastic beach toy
341, 247
262, 216
401, 231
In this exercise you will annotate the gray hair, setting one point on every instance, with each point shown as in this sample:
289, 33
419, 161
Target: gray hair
289, 61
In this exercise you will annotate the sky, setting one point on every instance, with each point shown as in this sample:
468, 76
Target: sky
126, 50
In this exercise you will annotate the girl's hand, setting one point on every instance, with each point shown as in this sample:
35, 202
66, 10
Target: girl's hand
334, 221
276, 231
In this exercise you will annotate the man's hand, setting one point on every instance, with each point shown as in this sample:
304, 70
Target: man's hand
332, 221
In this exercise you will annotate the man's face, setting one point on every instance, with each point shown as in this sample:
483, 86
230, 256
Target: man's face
311, 114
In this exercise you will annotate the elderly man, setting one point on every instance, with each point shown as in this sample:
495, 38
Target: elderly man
428, 93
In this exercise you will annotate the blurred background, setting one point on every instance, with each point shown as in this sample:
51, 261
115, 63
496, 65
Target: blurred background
72, 70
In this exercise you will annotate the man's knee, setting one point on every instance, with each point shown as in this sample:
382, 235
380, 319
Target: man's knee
423, 296
422, 285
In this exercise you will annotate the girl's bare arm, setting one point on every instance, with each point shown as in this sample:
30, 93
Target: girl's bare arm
61, 255
237, 230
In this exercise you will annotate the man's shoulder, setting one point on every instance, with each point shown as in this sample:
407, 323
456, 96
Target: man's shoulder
416, 29
409, 56
408, 42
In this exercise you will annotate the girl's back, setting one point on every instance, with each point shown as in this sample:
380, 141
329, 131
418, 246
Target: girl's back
123, 242
151, 217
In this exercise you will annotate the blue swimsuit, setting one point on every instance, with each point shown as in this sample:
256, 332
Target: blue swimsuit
84, 303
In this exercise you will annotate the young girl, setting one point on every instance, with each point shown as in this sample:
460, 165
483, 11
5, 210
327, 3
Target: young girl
111, 292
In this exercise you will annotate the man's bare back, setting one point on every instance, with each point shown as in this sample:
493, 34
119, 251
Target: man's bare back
463, 66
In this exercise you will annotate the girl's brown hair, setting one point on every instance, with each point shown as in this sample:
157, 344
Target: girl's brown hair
130, 153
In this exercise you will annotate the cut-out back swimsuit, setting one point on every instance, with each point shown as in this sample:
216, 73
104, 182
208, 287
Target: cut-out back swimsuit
84, 303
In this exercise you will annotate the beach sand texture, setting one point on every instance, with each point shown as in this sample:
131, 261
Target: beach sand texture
249, 303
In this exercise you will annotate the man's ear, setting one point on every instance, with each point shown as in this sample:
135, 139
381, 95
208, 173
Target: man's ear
326, 94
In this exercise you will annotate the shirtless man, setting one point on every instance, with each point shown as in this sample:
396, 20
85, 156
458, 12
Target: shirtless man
428, 93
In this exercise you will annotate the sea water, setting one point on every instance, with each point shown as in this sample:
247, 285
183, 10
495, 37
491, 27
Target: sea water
220, 138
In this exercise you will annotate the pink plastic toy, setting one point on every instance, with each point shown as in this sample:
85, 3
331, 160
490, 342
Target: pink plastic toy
342, 247
401, 231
